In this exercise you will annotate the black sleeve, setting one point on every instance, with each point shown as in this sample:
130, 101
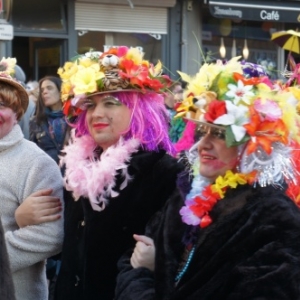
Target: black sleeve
133, 284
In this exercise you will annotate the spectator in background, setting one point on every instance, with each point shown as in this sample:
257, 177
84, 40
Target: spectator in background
32, 88
172, 98
24, 121
48, 128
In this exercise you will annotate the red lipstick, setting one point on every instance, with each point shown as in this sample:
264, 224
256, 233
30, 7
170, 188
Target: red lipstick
100, 125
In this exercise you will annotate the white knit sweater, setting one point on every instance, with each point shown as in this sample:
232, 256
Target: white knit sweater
25, 168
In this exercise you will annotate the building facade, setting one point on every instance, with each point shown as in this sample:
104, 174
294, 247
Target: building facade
182, 33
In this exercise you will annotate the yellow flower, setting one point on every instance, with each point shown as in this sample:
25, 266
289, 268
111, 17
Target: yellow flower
7, 65
156, 71
262, 87
85, 81
66, 91
86, 62
67, 71
219, 186
135, 55
234, 179
183, 108
233, 66
230, 179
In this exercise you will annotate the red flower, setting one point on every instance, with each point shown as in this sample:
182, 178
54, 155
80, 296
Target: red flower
205, 221
203, 206
137, 74
154, 84
70, 110
216, 108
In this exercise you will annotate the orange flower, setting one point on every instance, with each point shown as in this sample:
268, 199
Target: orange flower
137, 74
250, 81
264, 133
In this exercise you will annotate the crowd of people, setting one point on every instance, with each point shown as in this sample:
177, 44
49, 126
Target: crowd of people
131, 186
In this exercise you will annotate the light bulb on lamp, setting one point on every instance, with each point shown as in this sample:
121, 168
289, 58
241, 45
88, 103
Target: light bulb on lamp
245, 50
222, 49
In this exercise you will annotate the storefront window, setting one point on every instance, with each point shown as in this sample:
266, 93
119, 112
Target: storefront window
151, 45
236, 35
38, 15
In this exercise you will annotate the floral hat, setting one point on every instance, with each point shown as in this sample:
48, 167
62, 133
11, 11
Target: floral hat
251, 112
239, 98
118, 69
7, 71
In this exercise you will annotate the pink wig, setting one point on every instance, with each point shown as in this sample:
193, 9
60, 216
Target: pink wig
149, 120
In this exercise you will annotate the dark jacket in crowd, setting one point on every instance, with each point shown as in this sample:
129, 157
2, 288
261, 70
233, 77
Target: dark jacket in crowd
94, 241
250, 251
46, 139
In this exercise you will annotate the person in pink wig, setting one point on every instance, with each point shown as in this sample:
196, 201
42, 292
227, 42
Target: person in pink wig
118, 170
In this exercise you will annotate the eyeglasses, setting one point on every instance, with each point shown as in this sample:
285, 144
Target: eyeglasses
215, 132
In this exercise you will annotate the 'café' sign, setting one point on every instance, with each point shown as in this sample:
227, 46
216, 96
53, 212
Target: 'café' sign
269, 15
256, 10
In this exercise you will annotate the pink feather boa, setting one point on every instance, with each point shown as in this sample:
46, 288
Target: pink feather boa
187, 139
95, 178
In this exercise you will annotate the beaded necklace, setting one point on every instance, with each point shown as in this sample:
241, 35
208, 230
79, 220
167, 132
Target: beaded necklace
186, 265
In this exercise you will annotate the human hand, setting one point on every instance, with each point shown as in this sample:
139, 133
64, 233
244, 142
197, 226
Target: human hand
144, 253
37, 208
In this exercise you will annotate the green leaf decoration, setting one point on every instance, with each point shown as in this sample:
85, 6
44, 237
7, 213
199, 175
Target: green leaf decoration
100, 84
230, 138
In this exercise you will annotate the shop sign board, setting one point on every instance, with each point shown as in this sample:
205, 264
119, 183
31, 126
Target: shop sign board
6, 32
256, 10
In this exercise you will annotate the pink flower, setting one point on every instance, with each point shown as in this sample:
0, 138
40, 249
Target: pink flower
188, 216
122, 50
268, 109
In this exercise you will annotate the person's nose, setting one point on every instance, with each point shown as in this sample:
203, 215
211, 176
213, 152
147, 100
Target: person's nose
98, 111
44, 92
205, 142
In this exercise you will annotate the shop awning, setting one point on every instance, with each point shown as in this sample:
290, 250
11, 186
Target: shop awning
275, 11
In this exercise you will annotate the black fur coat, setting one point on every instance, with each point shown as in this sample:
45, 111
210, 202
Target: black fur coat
94, 241
250, 251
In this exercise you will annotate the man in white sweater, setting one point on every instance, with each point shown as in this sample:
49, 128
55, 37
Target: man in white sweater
25, 169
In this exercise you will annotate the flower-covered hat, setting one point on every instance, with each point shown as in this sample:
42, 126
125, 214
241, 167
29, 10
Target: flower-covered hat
118, 69
241, 99
256, 113
258, 116
7, 71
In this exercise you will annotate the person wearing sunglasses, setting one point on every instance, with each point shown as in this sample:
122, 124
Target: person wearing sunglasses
231, 229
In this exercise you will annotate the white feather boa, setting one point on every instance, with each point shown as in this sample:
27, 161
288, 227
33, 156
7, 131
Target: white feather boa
95, 178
